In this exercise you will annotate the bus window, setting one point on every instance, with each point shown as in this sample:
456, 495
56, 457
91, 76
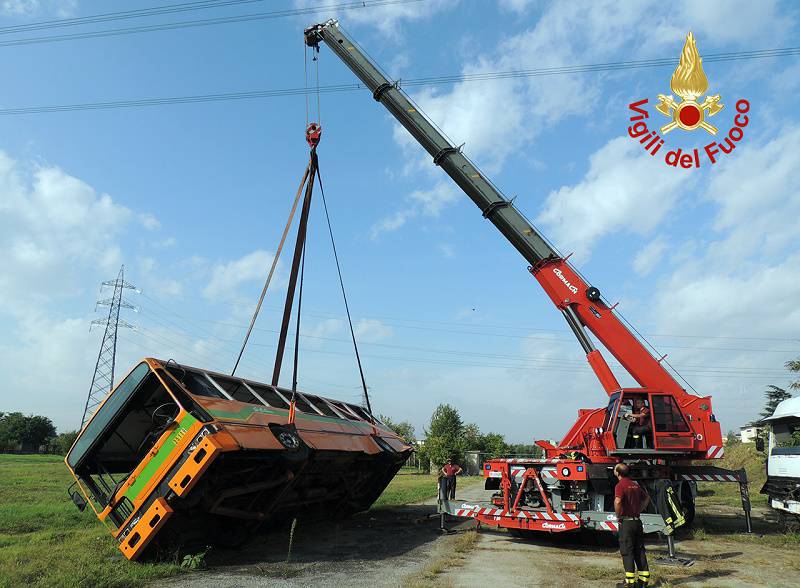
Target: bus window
345, 410
360, 412
323, 406
195, 382
301, 403
269, 395
235, 388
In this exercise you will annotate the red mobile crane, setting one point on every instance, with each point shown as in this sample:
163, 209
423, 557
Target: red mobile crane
572, 486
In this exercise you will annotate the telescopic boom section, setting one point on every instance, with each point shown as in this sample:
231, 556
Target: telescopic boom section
580, 303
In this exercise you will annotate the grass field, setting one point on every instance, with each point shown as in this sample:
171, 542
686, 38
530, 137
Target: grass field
46, 541
737, 456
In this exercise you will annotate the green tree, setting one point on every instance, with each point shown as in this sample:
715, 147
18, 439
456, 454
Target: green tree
64, 441
494, 444
793, 365
403, 429
473, 440
774, 395
525, 449
731, 438
30, 432
445, 436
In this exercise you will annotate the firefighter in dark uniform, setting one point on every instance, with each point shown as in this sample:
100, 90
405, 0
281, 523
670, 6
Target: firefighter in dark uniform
629, 501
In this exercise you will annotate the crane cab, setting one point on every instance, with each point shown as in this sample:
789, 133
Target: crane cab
638, 421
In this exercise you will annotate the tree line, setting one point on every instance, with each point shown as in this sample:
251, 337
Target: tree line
448, 437
32, 433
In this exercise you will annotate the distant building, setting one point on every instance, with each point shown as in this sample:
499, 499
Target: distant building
748, 434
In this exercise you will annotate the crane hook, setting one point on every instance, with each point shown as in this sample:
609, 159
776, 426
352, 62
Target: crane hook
313, 134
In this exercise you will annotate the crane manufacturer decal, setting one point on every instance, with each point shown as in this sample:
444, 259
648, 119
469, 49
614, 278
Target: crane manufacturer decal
567, 283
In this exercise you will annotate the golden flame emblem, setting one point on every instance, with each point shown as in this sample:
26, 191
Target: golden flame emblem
689, 82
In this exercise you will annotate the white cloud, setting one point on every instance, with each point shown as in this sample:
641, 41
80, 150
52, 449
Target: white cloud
517, 6
149, 221
226, 278
421, 203
372, 331
743, 280
62, 8
386, 18
391, 222
649, 257
323, 329
624, 190
448, 250
52, 226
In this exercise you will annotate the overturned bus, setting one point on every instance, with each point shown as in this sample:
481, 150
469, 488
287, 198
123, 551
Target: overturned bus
179, 456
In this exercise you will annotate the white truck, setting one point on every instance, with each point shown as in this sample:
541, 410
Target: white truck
783, 461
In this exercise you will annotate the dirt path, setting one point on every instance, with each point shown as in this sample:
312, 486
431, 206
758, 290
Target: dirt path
383, 547
401, 546
723, 557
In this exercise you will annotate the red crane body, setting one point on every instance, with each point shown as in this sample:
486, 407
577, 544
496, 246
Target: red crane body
572, 485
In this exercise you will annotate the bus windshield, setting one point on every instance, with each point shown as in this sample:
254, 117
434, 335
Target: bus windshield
105, 413
122, 432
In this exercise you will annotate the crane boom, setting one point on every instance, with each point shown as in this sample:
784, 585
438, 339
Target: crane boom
694, 428
495, 207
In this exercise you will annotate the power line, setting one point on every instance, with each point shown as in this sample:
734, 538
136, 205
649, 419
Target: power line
122, 15
187, 24
414, 82
540, 363
392, 321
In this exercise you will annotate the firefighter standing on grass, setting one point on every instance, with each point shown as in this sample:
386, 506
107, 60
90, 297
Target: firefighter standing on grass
629, 501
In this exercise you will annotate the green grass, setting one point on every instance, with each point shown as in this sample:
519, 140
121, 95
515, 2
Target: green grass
46, 541
737, 456
410, 488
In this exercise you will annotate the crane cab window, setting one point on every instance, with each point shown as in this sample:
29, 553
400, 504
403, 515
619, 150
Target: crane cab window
611, 411
667, 415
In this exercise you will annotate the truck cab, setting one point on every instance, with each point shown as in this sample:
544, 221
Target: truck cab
783, 459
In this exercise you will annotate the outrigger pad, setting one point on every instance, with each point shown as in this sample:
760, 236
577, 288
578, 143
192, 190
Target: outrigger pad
676, 561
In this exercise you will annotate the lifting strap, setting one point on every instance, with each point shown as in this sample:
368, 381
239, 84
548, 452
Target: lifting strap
341, 285
272, 267
299, 248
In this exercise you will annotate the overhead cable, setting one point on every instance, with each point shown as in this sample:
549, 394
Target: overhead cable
411, 82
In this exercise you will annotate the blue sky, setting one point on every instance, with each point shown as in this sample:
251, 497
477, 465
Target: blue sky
192, 199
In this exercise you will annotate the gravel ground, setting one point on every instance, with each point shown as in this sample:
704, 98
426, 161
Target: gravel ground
378, 548
395, 546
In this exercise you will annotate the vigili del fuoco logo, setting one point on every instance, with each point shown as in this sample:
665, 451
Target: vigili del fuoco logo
688, 113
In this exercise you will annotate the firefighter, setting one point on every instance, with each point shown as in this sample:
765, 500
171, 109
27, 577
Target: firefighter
640, 417
450, 471
629, 501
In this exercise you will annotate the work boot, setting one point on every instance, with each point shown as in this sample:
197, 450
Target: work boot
644, 580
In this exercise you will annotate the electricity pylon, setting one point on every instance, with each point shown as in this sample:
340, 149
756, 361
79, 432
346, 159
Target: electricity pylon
103, 378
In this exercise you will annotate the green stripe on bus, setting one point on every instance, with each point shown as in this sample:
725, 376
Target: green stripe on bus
248, 411
156, 461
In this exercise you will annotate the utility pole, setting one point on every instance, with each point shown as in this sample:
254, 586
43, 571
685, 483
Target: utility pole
103, 378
